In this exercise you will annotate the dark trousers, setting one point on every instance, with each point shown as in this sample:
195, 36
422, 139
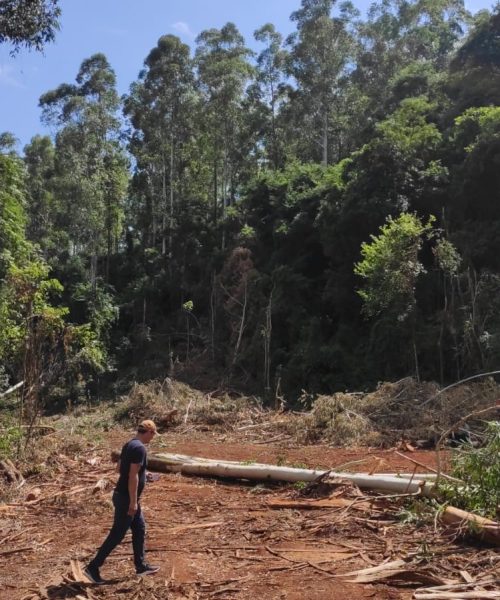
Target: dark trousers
121, 523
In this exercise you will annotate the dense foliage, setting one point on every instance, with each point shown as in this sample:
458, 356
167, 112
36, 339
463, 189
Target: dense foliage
28, 23
318, 215
478, 470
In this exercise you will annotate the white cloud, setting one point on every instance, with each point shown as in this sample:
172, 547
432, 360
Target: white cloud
7, 77
183, 28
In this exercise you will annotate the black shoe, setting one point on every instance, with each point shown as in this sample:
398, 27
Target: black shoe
146, 570
93, 574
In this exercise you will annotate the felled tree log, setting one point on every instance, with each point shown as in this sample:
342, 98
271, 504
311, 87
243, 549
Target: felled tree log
191, 465
485, 529
394, 484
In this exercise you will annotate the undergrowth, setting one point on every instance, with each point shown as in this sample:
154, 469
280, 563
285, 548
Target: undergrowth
10, 438
479, 470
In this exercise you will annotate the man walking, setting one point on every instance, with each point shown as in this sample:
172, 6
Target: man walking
128, 513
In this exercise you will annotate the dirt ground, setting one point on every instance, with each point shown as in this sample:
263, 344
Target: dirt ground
220, 539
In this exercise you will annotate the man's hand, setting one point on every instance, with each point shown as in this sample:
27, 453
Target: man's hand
133, 483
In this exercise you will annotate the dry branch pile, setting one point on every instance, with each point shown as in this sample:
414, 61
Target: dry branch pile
406, 410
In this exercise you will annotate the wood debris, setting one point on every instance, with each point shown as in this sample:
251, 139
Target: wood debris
10, 473
311, 504
207, 529
460, 590
466, 522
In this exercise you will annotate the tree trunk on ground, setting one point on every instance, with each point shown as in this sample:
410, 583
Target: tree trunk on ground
461, 520
193, 465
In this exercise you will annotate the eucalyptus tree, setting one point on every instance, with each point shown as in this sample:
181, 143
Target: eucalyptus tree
29, 23
160, 107
321, 51
474, 72
404, 45
90, 166
8, 142
430, 29
38, 344
13, 246
41, 209
223, 71
270, 81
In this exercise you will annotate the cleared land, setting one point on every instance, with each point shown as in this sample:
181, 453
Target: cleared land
220, 539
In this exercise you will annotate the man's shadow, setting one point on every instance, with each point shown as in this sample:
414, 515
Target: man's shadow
70, 589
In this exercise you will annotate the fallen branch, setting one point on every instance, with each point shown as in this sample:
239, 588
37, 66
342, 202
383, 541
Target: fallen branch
277, 438
11, 390
459, 586
298, 562
437, 473
376, 573
70, 492
15, 550
456, 595
194, 526
317, 504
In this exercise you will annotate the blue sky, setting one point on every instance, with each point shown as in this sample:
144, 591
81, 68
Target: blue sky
125, 31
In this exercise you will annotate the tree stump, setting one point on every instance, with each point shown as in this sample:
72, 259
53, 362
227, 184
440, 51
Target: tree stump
10, 473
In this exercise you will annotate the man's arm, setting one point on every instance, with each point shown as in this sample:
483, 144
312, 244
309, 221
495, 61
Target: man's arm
133, 484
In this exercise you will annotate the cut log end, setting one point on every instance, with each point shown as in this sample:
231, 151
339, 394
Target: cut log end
461, 521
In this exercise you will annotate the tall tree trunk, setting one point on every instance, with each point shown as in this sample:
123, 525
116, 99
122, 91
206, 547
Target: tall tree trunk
224, 198
242, 324
93, 271
171, 220
273, 130
441, 332
164, 207
267, 346
325, 139
153, 220
415, 358
215, 208
109, 234
454, 328
213, 308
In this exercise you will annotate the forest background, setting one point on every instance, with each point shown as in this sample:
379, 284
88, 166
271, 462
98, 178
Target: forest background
319, 215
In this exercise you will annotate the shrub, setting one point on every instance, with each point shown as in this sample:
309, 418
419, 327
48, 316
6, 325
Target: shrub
10, 437
479, 470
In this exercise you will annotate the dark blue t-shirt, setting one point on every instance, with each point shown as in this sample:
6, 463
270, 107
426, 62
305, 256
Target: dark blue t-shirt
133, 452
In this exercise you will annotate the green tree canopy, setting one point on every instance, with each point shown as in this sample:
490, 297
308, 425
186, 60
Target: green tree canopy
29, 23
